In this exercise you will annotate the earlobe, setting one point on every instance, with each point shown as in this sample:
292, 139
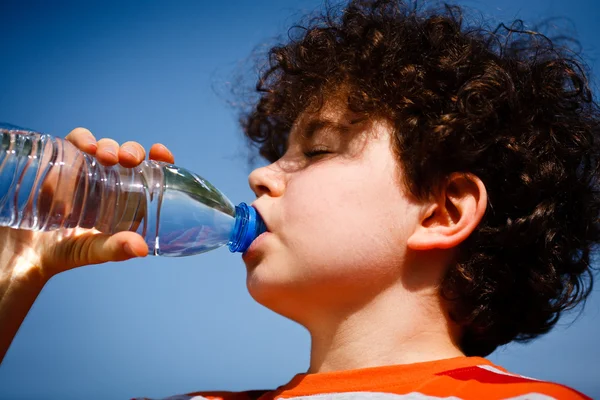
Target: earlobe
451, 216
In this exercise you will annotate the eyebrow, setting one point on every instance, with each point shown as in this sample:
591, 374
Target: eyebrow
319, 124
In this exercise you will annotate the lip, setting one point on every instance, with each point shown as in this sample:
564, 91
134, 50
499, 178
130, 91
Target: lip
252, 250
261, 217
254, 246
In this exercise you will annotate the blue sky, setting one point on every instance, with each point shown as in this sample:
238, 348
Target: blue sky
159, 71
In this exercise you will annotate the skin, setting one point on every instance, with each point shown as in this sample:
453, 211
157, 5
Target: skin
350, 254
28, 260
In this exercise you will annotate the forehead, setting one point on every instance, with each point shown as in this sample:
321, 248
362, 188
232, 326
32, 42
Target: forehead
333, 117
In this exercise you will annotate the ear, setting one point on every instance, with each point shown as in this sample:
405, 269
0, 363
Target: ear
452, 215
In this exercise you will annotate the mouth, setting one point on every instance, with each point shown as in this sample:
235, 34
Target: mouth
252, 251
262, 219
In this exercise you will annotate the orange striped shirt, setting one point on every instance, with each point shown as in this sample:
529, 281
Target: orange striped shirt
451, 379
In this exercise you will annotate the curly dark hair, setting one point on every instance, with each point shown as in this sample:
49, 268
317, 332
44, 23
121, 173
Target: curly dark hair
507, 105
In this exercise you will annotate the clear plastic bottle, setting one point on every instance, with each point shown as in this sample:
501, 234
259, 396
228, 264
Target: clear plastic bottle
46, 183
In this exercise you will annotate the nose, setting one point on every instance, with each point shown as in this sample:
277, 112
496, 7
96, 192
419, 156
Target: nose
267, 180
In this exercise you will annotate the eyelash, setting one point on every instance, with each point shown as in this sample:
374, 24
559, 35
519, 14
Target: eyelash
315, 152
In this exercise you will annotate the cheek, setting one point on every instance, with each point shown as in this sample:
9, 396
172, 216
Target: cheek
323, 205
344, 218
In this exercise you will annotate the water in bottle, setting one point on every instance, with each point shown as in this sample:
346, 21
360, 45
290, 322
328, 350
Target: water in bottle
46, 183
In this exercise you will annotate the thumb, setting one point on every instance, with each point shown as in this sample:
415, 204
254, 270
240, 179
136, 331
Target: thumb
101, 248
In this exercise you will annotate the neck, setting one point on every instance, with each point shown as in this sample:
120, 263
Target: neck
354, 339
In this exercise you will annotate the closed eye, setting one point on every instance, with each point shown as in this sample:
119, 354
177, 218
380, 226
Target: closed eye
315, 153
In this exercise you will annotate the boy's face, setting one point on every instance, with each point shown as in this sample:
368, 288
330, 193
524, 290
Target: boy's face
338, 222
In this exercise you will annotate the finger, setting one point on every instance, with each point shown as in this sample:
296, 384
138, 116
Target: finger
83, 140
131, 154
101, 248
159, 152
108, 152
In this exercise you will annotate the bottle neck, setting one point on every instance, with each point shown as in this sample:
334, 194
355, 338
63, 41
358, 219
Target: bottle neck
248, 226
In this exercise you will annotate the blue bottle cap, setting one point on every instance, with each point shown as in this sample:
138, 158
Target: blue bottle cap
248, 226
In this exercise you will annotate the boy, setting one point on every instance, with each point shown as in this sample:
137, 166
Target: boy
432, 195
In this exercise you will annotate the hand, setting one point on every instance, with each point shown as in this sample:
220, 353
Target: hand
49, 253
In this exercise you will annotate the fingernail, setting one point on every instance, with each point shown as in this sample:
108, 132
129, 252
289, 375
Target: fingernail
167, 150
110, 151
128, 250
92, 144
132, 151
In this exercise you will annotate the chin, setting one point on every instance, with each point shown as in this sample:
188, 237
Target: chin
273, 291
264, 288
